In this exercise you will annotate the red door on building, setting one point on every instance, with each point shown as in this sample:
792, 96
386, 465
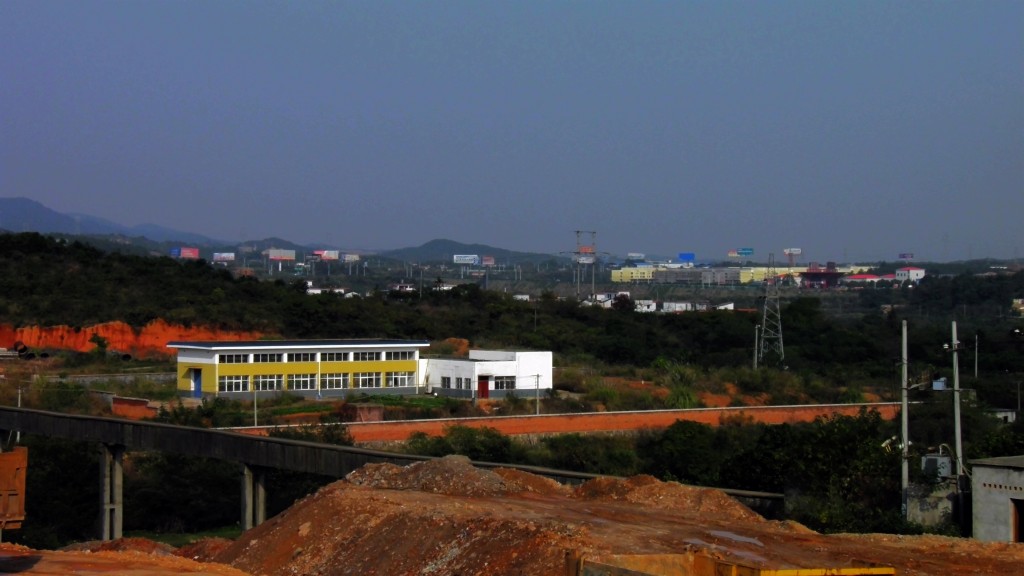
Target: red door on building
483, 390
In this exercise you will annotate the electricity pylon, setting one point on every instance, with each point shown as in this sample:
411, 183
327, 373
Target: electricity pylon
770, 347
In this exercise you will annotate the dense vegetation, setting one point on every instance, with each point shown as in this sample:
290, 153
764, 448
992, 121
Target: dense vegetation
44, 281
836, 472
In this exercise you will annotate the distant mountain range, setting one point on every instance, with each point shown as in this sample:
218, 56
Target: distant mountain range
27, 215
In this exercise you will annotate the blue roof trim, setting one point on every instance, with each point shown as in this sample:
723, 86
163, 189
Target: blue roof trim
264, 344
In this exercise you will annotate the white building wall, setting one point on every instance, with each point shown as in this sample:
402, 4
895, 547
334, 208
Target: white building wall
530, 369
195, 356
993, 490
676, 306
433, 369
533, 370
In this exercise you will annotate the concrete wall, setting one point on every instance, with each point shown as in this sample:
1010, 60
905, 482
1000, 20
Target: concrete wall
993, 490
931, 505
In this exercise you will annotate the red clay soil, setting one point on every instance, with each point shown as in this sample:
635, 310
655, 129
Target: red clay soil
395, 431
16, 559
444, 517
150, 341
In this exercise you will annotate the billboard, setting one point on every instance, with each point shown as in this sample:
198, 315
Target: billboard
586, 259
223, 256
277, 255
587, 250
745, 251
350, 257
906, 256
190, 253
635, 256
327, 254
734, 254
792, 251
175, 252
465, 259
487, 260
687, 256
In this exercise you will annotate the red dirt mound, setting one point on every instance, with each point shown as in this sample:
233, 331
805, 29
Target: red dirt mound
445, 518
650, 491
448, 475
203, 550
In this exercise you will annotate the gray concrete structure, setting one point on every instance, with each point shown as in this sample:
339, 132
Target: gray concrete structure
997, 488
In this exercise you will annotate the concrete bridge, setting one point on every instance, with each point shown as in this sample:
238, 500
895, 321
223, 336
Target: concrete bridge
256, 454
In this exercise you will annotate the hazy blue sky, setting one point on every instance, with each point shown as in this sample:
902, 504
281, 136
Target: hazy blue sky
853, 130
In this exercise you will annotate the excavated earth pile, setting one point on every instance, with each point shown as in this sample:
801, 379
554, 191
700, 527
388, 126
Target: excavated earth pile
445, 517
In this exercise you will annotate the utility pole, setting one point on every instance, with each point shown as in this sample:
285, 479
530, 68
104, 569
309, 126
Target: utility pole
956, 407
757, 328
904, 427
954, 347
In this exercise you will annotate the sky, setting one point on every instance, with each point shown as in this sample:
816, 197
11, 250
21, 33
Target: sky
855, 131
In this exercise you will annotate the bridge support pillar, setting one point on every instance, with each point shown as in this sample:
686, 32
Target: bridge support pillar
111, 491
254, 496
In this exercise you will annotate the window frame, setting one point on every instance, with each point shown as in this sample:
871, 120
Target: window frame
237, 383
334, 381
360, 380
308, 381
260, 382
504, 383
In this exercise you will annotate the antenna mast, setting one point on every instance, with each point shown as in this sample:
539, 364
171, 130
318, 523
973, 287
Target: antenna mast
771, 318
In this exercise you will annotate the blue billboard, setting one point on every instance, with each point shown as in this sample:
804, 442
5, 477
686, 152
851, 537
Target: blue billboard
687, 256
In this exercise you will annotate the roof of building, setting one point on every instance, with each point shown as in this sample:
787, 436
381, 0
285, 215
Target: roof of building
861, 277
908, 268
1001, 462
278, 344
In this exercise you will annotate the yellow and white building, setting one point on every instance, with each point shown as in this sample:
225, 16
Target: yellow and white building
312, 368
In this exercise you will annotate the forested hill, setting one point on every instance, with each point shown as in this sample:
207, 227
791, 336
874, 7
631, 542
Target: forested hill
46, 282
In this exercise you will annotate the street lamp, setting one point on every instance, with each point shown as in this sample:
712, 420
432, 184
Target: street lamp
537, 395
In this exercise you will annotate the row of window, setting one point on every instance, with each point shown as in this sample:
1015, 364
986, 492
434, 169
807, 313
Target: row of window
263, 357
500, 383
274, 382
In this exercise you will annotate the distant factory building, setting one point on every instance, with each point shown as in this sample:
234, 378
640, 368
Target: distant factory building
909, 274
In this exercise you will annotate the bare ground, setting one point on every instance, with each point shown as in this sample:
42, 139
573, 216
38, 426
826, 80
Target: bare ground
445, 517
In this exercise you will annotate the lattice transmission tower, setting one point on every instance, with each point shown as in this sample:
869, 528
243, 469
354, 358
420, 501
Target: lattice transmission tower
770, 347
